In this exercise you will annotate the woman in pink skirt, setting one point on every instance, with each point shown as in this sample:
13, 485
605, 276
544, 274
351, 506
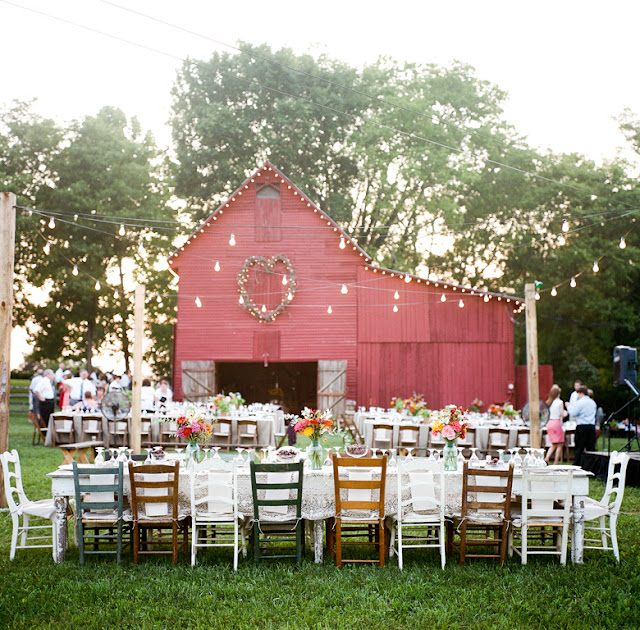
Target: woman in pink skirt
554, 425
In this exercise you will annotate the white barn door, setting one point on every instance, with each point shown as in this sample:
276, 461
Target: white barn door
332, 386
198, 380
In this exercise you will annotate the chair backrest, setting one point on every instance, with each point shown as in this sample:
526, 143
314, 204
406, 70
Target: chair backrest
409, 432
153, 485
498, 437
62, 423
98, 489
421, 487
469, 439
223, 427
488, 492
247, 426
12, 474
523, 438
275, 492
92, 424
383, 432
213, 488
359, 491
616, 480
545, 494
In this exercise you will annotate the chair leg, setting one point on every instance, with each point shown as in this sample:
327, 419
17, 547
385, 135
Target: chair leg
14, 535
80, 540
256, 543
136, 542
524, 543
381, 542
463, 542
613, 521
443, 555
25, 528
603, 532
338, 543
174, 542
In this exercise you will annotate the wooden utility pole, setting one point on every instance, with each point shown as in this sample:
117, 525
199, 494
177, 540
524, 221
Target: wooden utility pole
136, 386
533, 385
7, 249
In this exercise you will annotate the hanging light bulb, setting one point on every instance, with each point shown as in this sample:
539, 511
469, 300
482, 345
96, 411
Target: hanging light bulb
52, 223
240, 300
47, 248
159, 300
596, 267
565, 226
290, 295
623, 243
344, 289
285, 280
198, 302
264, 308
554, 292
443, 298
116, 295
97, 285
75, 270
461, 304
486, 298
407, 279
562, 240
342, 243
537, 295
329, 310
573, 283
216, 267
395, 308
396, 296
121, 230
232, 239
57, 304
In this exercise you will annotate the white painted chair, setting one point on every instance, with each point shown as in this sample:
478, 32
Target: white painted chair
215, 519
607, 507
21, 507
545, 515
419, 522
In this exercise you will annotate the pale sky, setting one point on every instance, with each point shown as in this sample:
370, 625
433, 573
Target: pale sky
569, 66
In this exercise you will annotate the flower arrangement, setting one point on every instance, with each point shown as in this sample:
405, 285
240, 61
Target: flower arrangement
476, 405
450, 422
495, 410
193, 427
415, 405
313, 423
221, 403
499, 410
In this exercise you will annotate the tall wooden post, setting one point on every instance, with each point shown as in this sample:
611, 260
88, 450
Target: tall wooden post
136, 386
7, 249
533, 385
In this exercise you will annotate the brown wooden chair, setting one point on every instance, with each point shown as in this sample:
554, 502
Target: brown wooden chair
523, 438
247, 431
222, 432
63, 427
118, 432
408, 436
380, 432
350, 424
357, 508
569, 445
469, 440
167, 433
498, 440
154, 504
39, 430
486, 510
91, 428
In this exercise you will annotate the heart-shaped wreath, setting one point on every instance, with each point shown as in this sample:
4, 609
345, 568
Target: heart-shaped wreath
267, 265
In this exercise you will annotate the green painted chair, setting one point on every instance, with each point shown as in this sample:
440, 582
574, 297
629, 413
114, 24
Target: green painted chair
99, 509
277, 510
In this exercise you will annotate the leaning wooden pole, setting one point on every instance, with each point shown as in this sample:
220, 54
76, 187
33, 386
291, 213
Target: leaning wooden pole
533, 384
7, 249
136, 386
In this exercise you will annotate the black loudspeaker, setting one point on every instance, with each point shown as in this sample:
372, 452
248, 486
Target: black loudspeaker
624, 365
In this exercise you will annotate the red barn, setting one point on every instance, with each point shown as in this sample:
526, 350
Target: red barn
277, 302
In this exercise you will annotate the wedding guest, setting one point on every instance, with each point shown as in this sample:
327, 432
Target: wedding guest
34, 401
583, 411
102, 381
554, 424
115, 384
125, 381
100, 392
65, 389
94, 377
164, 394
79, 385
574, 395
148, 395
59, 374
88, 404
45, 394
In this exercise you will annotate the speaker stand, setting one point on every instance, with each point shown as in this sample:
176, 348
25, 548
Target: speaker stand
634, 438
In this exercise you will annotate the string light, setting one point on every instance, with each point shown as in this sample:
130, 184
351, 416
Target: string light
396, 296
562, 240
116, 295
198, 302
240, 300
565, 226
97, 285
596, 267
345, 290
121, 231
443, 298
572, 284
75, 270
486, 298
329, 310
461, 304
623, 243
285, 280
232, 239
264, 308
554, 292
47, 248
407, 279
216, 267
395, 308
342, 243
52, 223
537, 295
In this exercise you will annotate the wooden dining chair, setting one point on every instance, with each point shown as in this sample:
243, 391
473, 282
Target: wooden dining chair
350, 425
469, 440
498, 440
39, 430
63, 428
486, 509
118, 432
99, 508
408, 436
222, 430
247, 431
357, 507
569, 445
154, 505
277, 510
91, 427
382, 435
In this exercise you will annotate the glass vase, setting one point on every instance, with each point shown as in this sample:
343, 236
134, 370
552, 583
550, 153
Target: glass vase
193, 454
450, 455
314, 452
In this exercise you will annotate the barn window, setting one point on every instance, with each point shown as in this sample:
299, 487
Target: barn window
268, 212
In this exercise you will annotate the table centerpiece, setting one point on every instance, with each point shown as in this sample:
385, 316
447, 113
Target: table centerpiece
451, 423
313, 424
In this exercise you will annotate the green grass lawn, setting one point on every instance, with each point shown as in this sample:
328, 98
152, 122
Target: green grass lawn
36, 593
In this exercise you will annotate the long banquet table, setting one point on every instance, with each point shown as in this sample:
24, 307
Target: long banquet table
318, 500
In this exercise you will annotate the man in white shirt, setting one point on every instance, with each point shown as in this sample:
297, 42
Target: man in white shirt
79, 385
125, 380
35, 402
583, 411
59, 374
46, 396
574, 395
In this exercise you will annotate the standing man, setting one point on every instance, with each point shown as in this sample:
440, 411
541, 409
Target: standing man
46, 396
79, 385
59, 374
583, 411
574, 395
35, 402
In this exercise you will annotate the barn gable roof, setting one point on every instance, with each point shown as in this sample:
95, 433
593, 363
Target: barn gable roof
348, 240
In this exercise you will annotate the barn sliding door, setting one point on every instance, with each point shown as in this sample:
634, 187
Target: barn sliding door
332, 386
198, 380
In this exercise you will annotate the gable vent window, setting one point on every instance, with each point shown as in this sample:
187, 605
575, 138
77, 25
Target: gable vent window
268, 212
